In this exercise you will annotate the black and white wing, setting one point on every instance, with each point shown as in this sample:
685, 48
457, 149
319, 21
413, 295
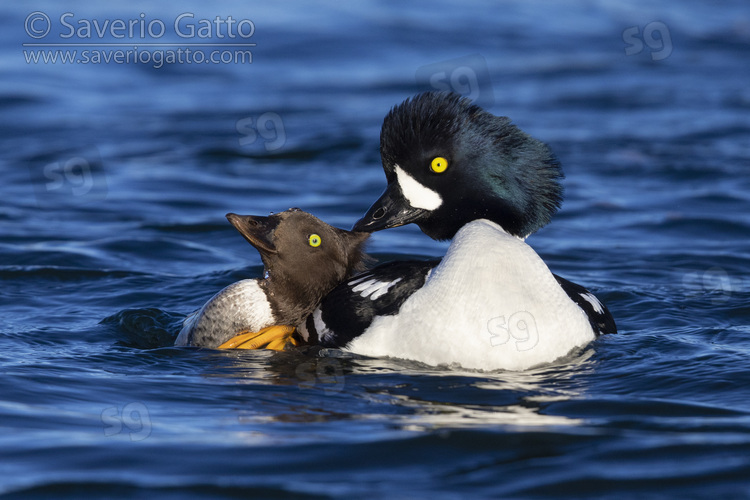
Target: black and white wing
349, 309
599, 316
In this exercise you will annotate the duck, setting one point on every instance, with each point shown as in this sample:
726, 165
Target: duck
491, 303
303, 258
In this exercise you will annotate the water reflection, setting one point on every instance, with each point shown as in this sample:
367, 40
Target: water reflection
401, 395
300, 392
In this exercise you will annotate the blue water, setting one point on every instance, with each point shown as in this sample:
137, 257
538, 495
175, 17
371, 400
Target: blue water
116, 179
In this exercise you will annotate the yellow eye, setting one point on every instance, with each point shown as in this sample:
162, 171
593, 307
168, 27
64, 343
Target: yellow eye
314, 240
439, 165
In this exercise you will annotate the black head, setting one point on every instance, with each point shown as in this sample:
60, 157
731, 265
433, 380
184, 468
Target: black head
304, 258
449, 162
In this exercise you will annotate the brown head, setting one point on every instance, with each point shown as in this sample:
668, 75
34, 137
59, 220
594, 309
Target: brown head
304, 258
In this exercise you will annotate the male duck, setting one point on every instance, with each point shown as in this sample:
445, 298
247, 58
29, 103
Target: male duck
491, 303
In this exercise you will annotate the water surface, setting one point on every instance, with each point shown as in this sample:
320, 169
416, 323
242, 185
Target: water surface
116, 179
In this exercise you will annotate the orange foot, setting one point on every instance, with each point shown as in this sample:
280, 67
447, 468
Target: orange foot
273, 337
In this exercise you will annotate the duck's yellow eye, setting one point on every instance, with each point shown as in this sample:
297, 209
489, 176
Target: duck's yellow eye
314, 240
439, 165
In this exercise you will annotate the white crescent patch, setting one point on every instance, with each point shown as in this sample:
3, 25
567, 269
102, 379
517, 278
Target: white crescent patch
415, 193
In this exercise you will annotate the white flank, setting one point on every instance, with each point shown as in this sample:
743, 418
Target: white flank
491, 304
240, 306
415, 193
